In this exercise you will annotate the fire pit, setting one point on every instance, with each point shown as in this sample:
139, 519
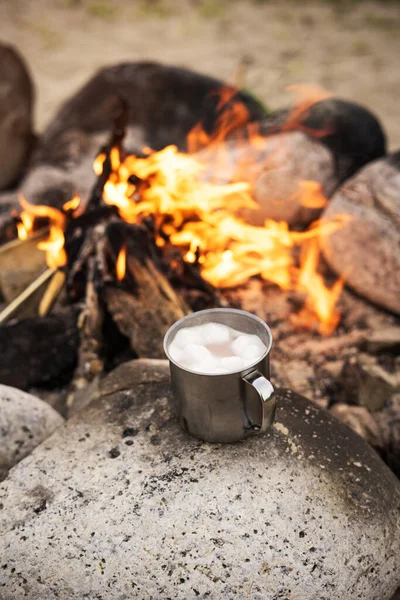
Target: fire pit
187, 226
199, 199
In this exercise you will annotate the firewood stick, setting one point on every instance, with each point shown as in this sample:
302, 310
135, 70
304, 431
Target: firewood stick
52, 292
31, 289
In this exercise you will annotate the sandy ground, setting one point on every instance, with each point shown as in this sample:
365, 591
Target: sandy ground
351, 49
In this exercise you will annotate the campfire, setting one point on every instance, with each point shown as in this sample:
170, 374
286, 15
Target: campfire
171, 228
172, 196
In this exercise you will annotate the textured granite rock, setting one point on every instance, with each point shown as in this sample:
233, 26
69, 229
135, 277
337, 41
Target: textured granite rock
120, 503
365, 251
25, 421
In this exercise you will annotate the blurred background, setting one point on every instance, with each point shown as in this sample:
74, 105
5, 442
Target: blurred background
351, 48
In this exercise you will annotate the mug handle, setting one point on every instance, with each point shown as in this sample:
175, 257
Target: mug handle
266, 394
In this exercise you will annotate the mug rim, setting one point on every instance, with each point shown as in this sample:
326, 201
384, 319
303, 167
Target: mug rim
216, 310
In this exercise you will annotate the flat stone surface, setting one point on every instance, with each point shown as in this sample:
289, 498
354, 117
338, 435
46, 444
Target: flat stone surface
25, 421
120, 503
365, 251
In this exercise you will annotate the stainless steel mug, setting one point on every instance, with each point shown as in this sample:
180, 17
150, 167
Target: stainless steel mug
230, 406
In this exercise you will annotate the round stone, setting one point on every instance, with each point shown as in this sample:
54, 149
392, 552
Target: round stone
25, 421
120, 503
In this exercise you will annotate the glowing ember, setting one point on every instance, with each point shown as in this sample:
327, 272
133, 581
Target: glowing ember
201, 217
120, 265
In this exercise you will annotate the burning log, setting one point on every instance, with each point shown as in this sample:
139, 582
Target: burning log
147, 308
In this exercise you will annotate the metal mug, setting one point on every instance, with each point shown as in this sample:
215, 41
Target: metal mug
224, 407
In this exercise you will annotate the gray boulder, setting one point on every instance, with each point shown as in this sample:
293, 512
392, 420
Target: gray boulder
25, 421
163, 105
16, 107
280, 174
365, 251
351, 132
280, 189
120, 503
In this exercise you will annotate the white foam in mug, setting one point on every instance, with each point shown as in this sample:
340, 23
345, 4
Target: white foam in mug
215, 348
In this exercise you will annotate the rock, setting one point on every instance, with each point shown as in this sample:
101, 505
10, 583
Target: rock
365, 250
164, 104
380, 429
286, 186
364, 382
16, 106
336, 137
8, 203
25, 421
351, 132
121, 503
285, 189
296, 374
39, 351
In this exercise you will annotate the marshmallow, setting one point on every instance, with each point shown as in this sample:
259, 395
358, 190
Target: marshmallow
188, 335
248, 346
196, 353
215, 333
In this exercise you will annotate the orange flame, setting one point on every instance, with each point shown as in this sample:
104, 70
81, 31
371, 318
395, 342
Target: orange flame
25, 227
54, 245
120, 265
232, 115
72, 204
321, 300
